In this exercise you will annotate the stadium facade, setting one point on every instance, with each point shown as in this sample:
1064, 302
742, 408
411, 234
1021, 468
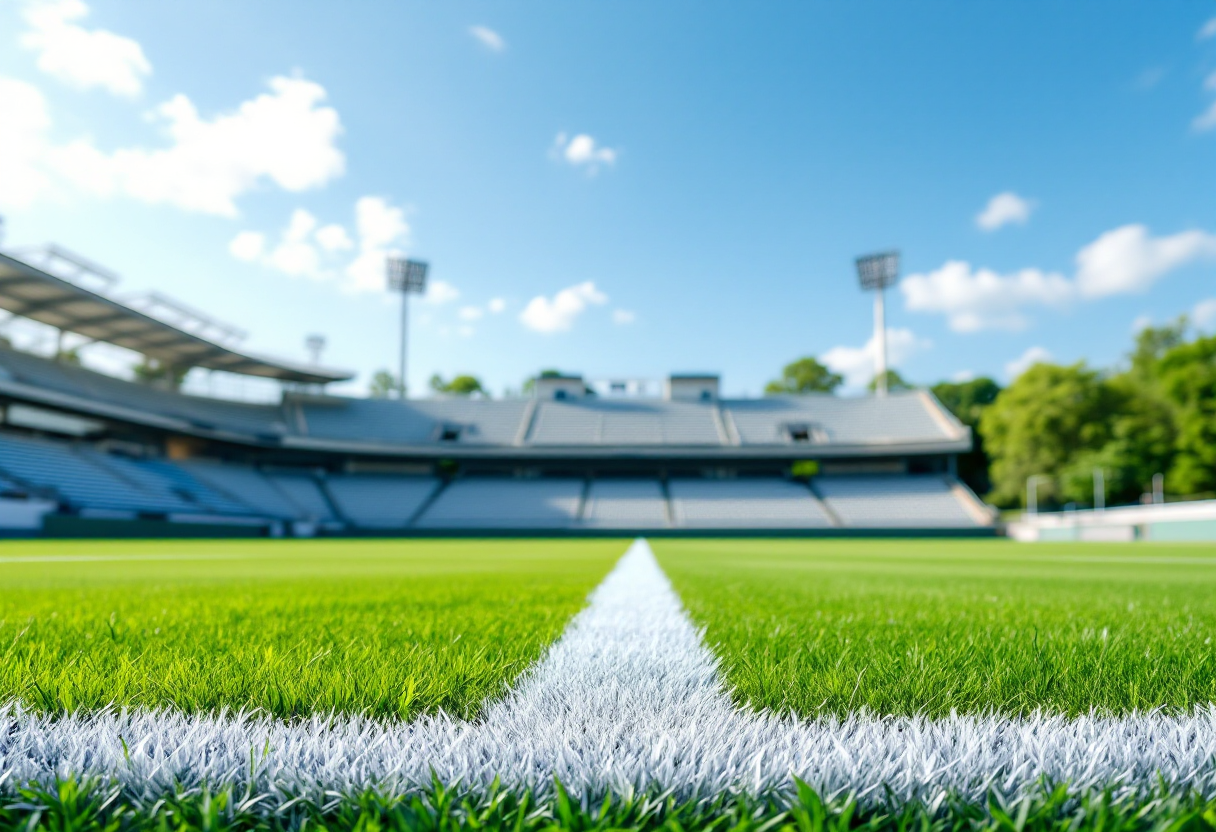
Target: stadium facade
82, 452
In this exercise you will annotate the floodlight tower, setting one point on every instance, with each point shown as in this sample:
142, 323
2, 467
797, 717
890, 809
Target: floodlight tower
409, 278
876, 272
315, 344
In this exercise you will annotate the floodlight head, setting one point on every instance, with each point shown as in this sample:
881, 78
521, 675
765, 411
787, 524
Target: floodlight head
878, 271
406, 276
315, 344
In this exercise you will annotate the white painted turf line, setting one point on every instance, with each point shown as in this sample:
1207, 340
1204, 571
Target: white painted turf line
628, 698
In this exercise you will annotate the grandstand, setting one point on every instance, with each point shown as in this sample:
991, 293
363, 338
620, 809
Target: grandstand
91, 447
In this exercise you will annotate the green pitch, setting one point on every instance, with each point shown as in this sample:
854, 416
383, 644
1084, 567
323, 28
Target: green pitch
401, 628
293, 627
903, 627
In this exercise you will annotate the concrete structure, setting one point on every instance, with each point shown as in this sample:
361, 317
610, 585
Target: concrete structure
1189, 521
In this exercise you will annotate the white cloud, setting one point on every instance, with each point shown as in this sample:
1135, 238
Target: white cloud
1121, 261
83, 58
1207, 119
1208, 30
381, 227
496, 305
439, 292
1127, 259
488, 37
982, 299
1003, 209
558, 315
295, 254
248, 246
1025, 361
308, 249
963, 376
582, 150
22, 140
283, 137
623, 317
1203, 315
1141, 322
1150, 78
470, 313
333, 237
378, 223
857, 364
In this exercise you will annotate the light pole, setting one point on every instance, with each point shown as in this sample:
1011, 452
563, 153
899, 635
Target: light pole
409, 278
876, 272
1032, 492
315, 344
1158, 489
1099, 490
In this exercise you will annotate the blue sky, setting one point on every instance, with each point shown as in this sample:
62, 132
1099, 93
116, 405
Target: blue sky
627, 189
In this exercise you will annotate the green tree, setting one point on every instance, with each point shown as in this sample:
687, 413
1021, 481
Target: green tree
894, 382
530, 383
462, 385
1041, 424
154, 373
1143, 431
806, 375
967, 400
70, 356
384, 385
1187, 374
1140, 445
1152, 343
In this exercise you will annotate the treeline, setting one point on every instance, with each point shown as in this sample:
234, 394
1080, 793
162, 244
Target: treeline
1154, 415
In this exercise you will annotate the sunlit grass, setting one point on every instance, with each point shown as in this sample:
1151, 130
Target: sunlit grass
384, 628
904, 627
95, 807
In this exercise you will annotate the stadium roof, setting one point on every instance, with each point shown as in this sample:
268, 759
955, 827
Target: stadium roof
32, 292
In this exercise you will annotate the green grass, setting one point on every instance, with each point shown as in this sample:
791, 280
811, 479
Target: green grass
73, 806
388, 629
905, 627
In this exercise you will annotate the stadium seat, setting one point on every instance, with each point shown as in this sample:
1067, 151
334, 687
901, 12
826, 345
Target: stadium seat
248, 485
904, 416
625, 504
920, 501
303, 491
415, 422
78, 478
745, 503
501, 503
593, 422
380, 501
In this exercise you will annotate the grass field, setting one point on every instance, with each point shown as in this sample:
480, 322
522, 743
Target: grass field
397, 629
76, 807
382, 628
924, 626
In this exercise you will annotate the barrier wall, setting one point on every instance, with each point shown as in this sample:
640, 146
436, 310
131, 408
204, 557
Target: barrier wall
1191, 521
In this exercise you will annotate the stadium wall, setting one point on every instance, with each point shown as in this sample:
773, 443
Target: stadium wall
1174, 522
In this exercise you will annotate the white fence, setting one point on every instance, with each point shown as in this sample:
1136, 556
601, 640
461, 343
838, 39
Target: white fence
1167, 521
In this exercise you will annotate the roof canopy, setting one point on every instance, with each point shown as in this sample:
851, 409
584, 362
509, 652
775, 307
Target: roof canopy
34, 293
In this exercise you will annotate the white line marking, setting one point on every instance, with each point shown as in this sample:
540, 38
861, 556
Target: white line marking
628, 698
202, 556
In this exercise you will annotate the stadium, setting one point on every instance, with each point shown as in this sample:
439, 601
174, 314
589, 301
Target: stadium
800, 418
101, 455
